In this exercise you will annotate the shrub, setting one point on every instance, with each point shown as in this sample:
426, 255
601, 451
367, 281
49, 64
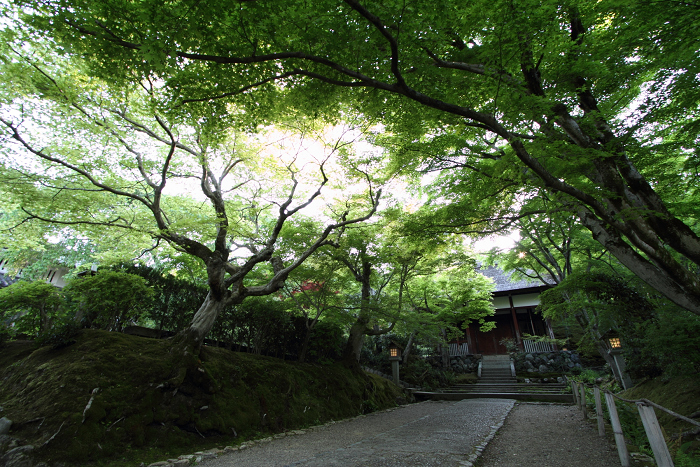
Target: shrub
669, 344
60, 335
109, 300
29, 307
419, 372
326, 344
175, 300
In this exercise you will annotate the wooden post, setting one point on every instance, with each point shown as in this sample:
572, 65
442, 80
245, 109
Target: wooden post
574, 391
617, 430
516, 326
656, 437
599, 411
583, 401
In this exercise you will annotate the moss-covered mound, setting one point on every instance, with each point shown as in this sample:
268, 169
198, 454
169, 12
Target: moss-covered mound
680, 394
112, 398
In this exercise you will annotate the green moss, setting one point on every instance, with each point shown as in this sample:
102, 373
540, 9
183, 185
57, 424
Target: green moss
139, 414
679, 394
467, 378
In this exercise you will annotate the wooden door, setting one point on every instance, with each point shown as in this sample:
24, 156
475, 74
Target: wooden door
488, 343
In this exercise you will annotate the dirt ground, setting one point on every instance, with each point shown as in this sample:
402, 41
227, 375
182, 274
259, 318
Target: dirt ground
548, 435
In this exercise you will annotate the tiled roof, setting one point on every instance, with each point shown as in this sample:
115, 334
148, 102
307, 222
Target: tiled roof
503, 281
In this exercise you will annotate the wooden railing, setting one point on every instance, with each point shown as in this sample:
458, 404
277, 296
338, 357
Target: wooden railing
459, 349
662, 456
532, 346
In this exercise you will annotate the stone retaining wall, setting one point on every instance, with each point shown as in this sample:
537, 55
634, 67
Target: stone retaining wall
461, 364
545, 362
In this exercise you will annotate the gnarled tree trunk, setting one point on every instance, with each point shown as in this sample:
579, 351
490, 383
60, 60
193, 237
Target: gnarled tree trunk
202, 322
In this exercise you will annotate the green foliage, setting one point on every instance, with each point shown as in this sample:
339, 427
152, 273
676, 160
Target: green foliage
593, 104
678, 393
60, 335
5, 334
510, 344
615, 299
589, 376
70, 254
123, 171
418, 372
668, 344
175, 297
326, 343
546, 339
109, 300
685, 458
29, 307
263, 325
445, 302
552, 244
658, 338
632, 427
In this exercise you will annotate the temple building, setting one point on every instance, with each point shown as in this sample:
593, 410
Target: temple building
515, 303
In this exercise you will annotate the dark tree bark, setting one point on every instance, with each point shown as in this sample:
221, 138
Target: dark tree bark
361, 327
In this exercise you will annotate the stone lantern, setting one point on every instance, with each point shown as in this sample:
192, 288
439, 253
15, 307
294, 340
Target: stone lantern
395, 358
615, 351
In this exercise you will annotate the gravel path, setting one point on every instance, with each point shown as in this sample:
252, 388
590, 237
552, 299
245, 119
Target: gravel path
548, 435
427, 434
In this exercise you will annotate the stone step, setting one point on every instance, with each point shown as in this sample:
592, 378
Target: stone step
502, 390
506, 388
522, 385
522, 396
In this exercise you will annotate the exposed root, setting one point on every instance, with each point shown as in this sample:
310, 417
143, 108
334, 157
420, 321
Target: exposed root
110, 426
89, 404
54, 435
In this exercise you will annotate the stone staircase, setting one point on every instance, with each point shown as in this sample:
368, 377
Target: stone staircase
497, 381
495, 369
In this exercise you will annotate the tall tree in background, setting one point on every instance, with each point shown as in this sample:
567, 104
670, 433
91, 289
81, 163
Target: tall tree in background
368, 257
596, 102
552, 245
82, 155
449, 298
316, 291
591, 287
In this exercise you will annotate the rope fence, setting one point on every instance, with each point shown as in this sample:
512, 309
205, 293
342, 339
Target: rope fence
646, 412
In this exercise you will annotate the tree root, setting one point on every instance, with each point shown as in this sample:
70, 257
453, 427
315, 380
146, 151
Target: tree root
89, 404
54, 435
